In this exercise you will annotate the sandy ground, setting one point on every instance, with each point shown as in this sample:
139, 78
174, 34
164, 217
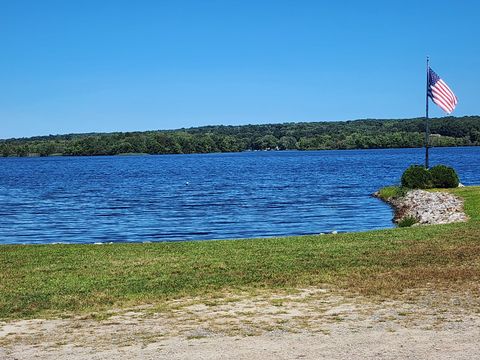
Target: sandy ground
308, 324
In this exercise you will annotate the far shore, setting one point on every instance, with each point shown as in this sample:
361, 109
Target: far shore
37, 155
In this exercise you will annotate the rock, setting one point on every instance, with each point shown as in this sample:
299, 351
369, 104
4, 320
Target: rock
428, 207
461, 185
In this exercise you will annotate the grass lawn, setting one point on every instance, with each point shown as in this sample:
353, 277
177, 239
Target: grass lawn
59, 280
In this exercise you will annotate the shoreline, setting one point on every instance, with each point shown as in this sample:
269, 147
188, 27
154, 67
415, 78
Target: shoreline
260, 237
59, 155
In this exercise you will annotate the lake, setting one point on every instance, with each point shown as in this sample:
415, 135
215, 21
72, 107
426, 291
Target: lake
205, 196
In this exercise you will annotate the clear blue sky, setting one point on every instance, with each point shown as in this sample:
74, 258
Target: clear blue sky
83, 66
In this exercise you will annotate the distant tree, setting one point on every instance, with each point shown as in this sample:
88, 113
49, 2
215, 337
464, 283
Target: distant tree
123, 148
287, 143
267, 142
46, 148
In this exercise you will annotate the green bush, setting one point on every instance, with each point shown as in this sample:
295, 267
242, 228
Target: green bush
440, 176
407, 221
416, 177
444, 177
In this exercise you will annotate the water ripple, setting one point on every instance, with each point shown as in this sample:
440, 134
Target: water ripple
142, 199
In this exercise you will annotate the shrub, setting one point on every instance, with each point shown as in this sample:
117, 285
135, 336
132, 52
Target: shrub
407, 221
444, 177
417, 177
440, 176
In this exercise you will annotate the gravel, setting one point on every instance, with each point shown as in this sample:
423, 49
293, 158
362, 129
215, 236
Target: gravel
428, 207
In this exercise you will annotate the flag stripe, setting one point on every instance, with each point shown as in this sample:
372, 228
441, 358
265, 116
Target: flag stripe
437, 90
442, 105
440, 98
440, 92
454, 98
441, 86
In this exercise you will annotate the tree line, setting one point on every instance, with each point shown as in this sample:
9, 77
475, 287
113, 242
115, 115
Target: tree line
358, 134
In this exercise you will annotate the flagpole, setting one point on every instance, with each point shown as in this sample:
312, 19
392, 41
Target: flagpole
427, 130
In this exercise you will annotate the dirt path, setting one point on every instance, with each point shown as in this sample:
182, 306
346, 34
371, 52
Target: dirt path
308, 324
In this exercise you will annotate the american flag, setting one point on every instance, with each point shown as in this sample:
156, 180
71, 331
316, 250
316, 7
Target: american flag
440, 93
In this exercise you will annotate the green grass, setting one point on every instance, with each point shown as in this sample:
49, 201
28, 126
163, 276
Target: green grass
63, 280
391, 192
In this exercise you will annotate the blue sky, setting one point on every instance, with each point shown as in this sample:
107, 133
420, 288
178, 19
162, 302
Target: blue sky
84, 66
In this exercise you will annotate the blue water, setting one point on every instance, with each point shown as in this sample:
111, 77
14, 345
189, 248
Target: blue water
205, 196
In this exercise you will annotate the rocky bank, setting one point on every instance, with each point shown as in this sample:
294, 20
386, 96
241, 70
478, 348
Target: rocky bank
428, 207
